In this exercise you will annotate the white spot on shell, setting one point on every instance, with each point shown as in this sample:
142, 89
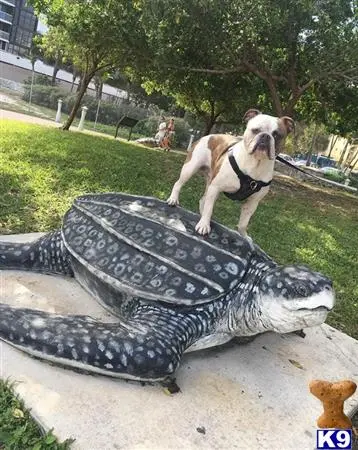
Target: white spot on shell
38, 323
109, 354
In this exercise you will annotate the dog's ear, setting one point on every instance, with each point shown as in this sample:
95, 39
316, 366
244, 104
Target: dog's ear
250, 114
289, 124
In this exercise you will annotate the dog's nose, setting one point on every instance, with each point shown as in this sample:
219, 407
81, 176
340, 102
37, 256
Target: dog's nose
265, 138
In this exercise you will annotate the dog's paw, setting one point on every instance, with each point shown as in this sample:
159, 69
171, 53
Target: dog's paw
173, 201
202, 227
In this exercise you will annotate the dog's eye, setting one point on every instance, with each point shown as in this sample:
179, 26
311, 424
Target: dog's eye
256, 130
276, 135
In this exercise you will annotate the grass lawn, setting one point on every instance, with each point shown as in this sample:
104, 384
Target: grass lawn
23, 107
43, 169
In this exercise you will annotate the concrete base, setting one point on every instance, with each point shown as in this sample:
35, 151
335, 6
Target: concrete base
238, 397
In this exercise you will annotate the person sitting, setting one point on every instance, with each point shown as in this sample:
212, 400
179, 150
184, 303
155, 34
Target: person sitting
162, 129
169, 135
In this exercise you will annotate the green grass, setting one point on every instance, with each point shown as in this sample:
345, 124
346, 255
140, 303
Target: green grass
18, 431
47, 113
43, 169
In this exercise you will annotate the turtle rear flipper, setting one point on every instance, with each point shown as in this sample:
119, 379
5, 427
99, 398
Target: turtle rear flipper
47, 255
142, 350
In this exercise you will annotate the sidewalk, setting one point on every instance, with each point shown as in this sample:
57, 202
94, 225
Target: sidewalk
11, 115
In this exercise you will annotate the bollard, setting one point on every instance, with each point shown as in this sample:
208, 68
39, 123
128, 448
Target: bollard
83, 116
190, 141
58, 114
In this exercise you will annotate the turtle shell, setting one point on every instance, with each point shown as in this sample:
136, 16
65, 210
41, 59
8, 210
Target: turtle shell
142, 246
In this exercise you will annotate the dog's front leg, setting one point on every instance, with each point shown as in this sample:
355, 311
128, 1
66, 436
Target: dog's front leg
203, 226
248, 208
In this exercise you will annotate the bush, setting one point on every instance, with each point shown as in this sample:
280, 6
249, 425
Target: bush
337, 177
41, 79
109, 112
44, 95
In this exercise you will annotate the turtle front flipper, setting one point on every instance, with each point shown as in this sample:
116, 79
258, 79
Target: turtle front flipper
47, 255
142, 349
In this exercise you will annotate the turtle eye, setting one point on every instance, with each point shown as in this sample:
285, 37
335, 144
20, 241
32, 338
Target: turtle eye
301, 289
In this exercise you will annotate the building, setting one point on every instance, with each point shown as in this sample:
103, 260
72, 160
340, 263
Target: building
18, 25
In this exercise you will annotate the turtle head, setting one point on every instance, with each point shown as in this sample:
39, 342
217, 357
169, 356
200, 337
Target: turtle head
294, 297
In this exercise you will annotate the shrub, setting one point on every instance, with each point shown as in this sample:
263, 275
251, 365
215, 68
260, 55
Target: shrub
44, 95
338, 177
41, 79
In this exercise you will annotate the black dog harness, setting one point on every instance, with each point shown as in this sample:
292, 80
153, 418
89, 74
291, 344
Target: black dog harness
248, 185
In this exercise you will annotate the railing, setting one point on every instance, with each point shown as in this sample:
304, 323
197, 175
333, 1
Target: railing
4, 35
5, 16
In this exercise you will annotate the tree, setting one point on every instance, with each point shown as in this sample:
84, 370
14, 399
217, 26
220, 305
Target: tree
212, 98
290, 45
54, 49
99, 36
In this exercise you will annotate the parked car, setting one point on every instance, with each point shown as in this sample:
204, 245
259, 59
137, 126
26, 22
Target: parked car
324, 161
287, 157
300, 162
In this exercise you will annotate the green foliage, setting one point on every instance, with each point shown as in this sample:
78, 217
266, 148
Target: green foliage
333, 176
217, 57
44, 95
40, 79
312, 135
289, 45
109, 113
18, 430
43, 169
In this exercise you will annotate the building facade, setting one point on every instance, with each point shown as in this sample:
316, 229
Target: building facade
18, 25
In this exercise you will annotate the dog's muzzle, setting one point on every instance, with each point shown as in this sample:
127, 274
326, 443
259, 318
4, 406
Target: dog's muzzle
263, 144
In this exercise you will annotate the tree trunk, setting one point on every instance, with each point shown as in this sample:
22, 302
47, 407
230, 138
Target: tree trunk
99, 87
54, 73
83, 87
275, 97
332, 144
74, 76
353, 163
209, 123
340, 162
309, 156
79, 83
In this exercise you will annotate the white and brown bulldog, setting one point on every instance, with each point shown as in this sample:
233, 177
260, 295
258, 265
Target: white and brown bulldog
241, 167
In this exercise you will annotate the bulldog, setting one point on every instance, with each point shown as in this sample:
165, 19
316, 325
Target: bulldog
241, 167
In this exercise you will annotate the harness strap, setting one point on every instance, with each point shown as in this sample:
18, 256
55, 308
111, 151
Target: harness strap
245, 180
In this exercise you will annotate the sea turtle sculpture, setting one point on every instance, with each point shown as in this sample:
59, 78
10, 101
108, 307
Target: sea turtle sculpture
173, 290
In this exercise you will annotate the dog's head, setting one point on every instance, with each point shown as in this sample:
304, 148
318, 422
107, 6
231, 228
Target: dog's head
265, 135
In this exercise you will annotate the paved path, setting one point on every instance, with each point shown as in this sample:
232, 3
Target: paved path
5, 114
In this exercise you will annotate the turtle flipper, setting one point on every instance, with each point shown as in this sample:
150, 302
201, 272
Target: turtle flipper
138, 350
47, 254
